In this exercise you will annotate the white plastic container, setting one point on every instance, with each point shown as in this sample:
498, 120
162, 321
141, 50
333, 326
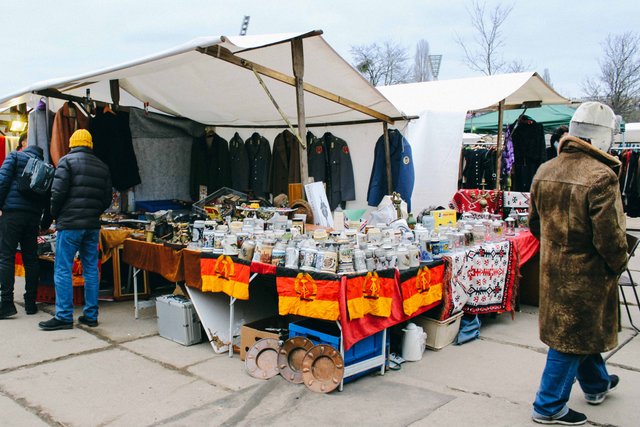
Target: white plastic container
413, 342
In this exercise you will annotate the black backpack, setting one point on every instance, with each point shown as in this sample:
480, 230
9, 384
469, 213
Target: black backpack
36, 177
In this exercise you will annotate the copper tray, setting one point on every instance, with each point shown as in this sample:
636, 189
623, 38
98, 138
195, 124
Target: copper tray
291, 356
322, 368
261, 360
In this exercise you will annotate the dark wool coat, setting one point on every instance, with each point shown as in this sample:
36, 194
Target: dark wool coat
341, 185
285, 163
81, 190
239, 164
576, 212
113, 145
259, 156
317, 158
210, 165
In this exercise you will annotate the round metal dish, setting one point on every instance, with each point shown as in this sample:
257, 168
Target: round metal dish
291, 356
261, 360
322, 368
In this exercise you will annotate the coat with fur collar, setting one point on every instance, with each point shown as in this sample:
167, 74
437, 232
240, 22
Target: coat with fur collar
576, 212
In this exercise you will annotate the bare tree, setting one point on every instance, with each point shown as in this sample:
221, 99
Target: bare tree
382, 64
618, 83
483, 54
421, 64
517, 66
546, 76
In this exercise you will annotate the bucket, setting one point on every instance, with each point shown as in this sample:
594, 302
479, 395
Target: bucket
413, 342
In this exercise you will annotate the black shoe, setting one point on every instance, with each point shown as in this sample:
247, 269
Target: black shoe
7, 309
30, 307
572, 418
85, 321
596, 399
54, 324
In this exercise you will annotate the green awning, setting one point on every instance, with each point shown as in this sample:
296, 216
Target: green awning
551, 116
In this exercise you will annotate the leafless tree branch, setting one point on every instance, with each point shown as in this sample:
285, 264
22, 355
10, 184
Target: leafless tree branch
483, 53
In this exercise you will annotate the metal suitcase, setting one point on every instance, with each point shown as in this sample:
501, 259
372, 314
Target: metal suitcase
178, 320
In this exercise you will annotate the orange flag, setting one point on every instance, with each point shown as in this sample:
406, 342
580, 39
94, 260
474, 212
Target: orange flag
421, 287
370, 294
225, 274
308, 294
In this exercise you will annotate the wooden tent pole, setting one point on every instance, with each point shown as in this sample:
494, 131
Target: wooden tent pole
499, 145
297, 56
387, 157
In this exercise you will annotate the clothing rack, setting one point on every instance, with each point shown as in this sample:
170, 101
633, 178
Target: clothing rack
625, 146
471, 144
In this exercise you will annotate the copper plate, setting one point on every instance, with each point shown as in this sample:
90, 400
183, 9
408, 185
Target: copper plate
322, 368
261, 360
291, 356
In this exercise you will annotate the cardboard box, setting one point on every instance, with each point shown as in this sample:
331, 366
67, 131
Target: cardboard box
440, 333
276, 327
443, 217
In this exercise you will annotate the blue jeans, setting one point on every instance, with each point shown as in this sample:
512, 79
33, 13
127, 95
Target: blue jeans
69, 242
557, 379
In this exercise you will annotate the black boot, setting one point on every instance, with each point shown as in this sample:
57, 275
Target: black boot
30, 307
54, 324
7, 309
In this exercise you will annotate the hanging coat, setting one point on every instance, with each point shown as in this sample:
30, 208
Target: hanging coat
317, 158
67, 120
210, 165
239, 164
402, 172
39, 132
529, 151
259, 156
576, 212
341, 185
113, 145
285, 164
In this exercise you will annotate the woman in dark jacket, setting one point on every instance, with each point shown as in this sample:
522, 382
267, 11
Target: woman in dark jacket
22, 217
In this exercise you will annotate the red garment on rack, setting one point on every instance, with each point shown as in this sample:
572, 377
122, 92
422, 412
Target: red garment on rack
3, 148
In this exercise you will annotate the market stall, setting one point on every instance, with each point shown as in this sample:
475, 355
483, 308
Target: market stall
169, 127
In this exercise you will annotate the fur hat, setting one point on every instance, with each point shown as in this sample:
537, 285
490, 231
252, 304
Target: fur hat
594, 121
81, 138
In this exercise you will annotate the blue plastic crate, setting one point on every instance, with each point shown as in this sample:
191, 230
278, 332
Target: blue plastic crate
323, 332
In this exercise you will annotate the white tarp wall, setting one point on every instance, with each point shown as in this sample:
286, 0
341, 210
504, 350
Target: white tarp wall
436, 137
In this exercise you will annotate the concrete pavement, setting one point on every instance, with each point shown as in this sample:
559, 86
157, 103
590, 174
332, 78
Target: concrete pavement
123, 373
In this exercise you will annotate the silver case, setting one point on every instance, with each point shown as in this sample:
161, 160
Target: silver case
178, 320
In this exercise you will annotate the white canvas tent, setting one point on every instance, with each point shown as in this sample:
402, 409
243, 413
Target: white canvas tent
436, 137
190, 81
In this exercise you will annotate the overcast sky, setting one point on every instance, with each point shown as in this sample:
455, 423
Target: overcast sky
44, 40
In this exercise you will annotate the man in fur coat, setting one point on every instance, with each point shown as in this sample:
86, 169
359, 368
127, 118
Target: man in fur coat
576, 212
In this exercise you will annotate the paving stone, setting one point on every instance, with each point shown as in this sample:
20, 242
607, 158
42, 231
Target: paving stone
170, 352
111, 387
14, 415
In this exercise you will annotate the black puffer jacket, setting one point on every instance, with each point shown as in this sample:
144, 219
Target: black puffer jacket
81, 190
11, 199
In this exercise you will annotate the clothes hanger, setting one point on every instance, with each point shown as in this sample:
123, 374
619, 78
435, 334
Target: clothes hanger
107, 109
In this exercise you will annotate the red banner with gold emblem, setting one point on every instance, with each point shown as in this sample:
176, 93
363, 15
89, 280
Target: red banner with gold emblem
370, 294
420, 287
225, 274
308, 294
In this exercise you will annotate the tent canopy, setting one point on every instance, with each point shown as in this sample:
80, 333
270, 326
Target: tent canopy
477, 93
550, 116
188, 82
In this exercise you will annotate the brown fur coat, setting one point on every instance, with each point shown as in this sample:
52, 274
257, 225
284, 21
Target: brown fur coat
576, 212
